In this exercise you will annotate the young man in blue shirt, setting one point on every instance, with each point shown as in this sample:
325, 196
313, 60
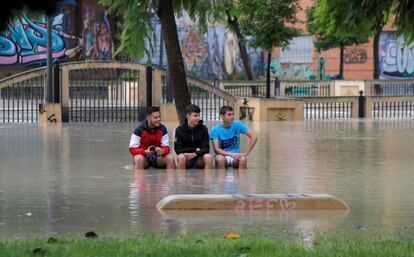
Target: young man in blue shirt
226, 140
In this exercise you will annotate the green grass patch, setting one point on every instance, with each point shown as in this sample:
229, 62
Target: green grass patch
191, 245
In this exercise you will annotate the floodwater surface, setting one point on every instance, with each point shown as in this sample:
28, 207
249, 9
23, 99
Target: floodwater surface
73, 178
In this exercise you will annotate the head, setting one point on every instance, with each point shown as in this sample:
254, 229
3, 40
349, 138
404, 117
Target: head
227, 114
153, 116
193, 115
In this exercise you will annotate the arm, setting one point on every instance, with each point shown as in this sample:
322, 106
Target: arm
205, 145
218, 150
252, 142
165, 147
135, 145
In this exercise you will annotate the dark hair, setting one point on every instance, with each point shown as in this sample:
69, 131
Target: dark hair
152, 109
192, 108
225, 109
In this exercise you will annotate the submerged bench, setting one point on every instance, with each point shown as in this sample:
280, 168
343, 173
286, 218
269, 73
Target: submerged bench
252, 202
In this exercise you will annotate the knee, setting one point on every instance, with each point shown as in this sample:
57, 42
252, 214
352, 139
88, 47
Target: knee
181, 158
220, 159
139, 158
170, 158
207, 158
243, 159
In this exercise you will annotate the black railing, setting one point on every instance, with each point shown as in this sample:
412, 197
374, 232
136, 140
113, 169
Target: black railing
246, 90
208, 102
391, 89
105, 95
326, 110
307, 90
19, 102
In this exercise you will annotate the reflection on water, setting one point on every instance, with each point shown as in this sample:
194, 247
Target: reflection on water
79, 177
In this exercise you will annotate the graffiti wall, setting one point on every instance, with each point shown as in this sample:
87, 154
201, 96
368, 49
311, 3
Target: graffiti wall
295, 62
24, 41
396, 57
96, 32
214, 55
290, 71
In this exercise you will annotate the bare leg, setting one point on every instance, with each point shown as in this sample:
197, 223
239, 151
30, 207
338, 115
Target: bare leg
181, 161
206, 161
167, 161
140, 162
241, 163
221, 161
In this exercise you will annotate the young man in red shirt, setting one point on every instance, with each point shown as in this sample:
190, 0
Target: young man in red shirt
149, 143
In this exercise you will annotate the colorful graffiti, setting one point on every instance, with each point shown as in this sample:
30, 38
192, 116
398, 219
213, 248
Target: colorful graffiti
96, 34
396, 57
25, 41
214, 55
290, 71
354, 55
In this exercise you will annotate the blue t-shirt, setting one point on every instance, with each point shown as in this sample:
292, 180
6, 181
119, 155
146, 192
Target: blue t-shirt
229, 138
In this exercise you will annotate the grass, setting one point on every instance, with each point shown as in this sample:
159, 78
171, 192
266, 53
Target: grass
192, 245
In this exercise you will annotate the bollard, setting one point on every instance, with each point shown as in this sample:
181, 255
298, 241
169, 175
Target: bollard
361, 105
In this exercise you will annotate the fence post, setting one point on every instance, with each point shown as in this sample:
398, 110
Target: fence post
361, 105
56, 83
277, 87
149, 85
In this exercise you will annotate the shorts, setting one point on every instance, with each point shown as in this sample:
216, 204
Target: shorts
229, 161
192, 164
152, 160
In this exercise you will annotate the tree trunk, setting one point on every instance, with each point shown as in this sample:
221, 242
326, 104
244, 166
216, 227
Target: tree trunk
176, 71
376, 54
341, 61
234, 24
269, 57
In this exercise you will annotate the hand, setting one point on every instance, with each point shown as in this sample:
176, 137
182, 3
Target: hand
159, 150
148, 152
244, 154
189, 156
236, 156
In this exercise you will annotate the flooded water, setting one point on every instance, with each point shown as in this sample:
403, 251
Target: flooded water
79, 177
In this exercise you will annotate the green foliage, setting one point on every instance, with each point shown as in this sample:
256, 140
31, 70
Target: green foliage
358, 17
269, 23
404, 18
137, 28
319, 24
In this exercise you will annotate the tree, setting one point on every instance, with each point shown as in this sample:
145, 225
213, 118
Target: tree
359, 17
227, 11
137, 28
318, 23
269, 23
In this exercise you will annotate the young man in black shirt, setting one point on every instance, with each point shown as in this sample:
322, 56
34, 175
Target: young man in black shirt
192, 141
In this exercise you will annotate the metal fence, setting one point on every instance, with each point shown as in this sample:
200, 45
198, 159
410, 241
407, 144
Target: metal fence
279, 88
389, 88
305, 88
206, 96
20, 96
105, 95
243, 89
